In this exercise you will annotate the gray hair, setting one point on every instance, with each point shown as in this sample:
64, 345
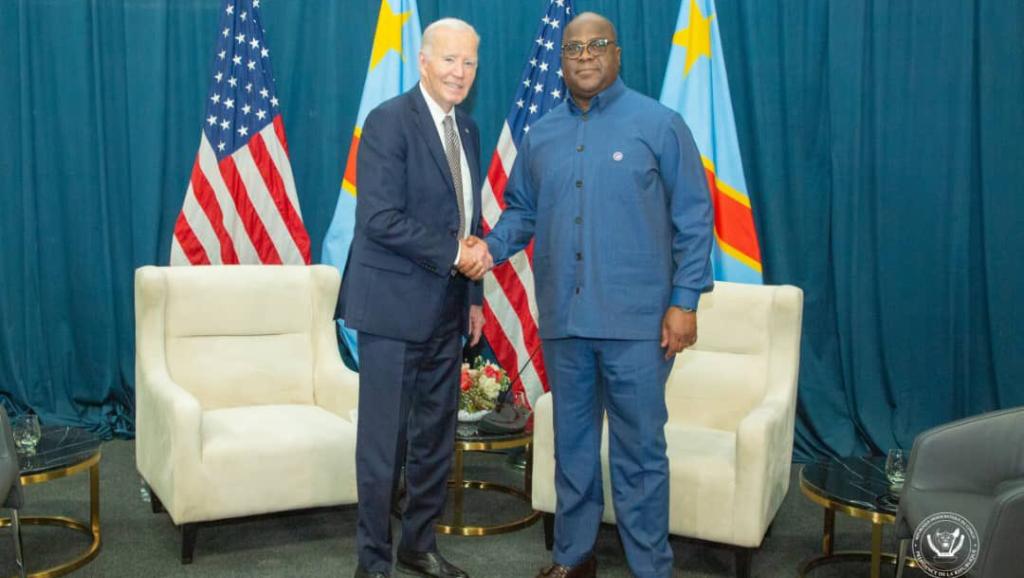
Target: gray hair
435, 27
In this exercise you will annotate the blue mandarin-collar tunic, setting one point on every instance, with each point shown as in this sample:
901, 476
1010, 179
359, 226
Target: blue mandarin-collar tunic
617, 200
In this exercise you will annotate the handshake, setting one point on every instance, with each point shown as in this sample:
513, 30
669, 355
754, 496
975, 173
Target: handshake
474, 258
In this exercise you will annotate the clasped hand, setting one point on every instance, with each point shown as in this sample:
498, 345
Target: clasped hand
474, 259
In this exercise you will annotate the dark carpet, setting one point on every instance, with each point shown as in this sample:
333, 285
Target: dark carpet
138, 543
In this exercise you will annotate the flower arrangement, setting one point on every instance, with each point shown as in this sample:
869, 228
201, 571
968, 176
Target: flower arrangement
480, 385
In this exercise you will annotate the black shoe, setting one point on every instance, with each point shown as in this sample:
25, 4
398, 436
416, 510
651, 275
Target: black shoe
585, 569
427, 564
363, 573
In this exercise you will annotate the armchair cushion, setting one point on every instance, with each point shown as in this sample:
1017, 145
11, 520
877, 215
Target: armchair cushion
262, 455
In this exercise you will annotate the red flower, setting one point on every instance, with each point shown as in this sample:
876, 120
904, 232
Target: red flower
492, 372
466, 381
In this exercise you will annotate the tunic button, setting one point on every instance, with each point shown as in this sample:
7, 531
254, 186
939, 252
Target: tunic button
579, 148
579, 220
579, 184
579, 256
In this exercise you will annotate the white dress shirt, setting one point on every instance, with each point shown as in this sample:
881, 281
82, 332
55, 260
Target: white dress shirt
467, 179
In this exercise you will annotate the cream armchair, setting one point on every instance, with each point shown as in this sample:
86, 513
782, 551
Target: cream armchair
243, 404
731, 402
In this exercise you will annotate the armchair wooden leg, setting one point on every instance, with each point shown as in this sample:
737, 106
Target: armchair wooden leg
901, 558
744, 557
154, 501
188, 541
19, 560
549, 531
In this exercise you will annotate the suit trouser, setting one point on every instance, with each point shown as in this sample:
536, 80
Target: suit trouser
408, 402
626, 379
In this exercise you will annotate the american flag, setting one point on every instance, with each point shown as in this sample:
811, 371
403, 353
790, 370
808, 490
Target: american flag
241, 205
509, 303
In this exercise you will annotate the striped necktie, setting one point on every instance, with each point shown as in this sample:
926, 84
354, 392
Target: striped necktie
453, 152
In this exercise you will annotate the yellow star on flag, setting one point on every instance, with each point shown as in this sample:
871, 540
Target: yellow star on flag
389, 33
695, 38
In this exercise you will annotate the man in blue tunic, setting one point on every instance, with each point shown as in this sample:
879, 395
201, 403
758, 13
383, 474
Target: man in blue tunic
612, 187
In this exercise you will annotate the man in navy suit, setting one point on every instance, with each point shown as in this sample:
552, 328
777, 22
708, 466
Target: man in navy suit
411, 289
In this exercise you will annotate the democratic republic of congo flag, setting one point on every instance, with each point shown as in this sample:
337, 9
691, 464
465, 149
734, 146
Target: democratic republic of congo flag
393, 70
696, 85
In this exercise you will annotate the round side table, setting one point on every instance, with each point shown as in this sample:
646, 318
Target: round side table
64, 451
858, 488
475, 442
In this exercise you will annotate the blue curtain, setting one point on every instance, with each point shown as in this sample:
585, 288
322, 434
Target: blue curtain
879, 140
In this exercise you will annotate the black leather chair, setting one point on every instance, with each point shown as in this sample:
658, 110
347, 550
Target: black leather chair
973, 467
10, 484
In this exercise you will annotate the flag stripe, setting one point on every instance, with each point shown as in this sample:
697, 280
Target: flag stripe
247, 214
508, 278
262, 157
244, 247
178, 256
349, 181
734, 222
496, 181
279, 131
528, 381
207, 201
186, 242
507, 339
201, 229
257, 193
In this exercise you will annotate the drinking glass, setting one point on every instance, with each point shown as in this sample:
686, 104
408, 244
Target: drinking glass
896, 468
26, 433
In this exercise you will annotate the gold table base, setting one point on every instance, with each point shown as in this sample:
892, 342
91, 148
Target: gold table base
92, 530
849, 556
829, 556
459, 485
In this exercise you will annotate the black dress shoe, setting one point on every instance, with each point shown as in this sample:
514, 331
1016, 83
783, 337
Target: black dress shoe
585, 569
427, 564
364, 573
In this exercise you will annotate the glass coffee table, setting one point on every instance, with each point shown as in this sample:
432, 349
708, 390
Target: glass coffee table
64, 451
468, 439
858, 488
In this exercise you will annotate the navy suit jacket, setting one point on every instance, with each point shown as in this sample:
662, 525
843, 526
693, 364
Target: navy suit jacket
407, 220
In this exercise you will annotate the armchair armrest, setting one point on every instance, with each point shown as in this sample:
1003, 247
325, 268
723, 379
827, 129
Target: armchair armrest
336, 388
764, 441
974, 454
1000, 541
168, 432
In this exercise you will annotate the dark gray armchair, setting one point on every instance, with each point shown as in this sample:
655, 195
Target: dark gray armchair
10, 484
973, 467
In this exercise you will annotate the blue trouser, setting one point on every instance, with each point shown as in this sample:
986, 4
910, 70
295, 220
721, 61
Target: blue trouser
408, 401
626, 379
